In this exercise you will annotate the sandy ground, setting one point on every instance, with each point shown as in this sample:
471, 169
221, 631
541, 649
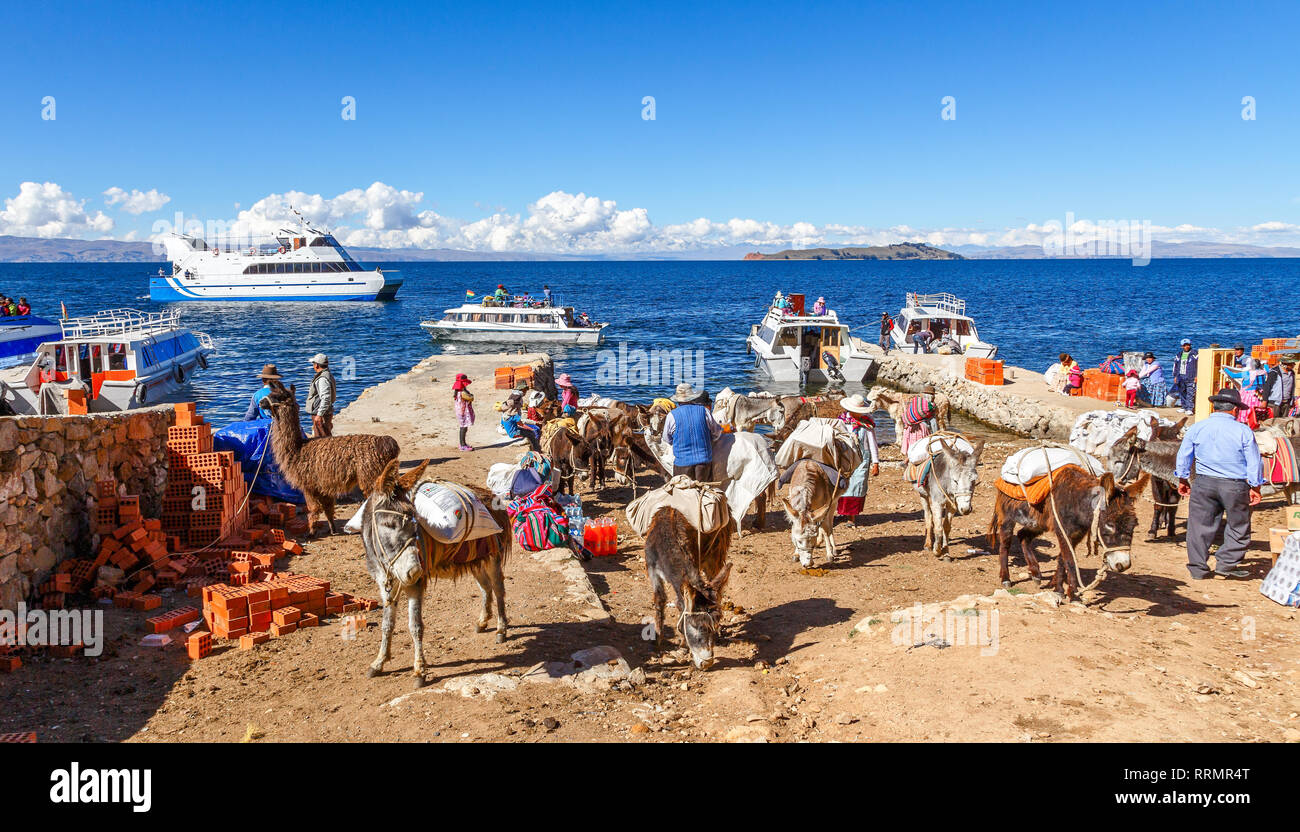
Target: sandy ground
815, 654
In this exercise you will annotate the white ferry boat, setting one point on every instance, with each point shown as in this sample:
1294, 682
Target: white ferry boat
115, 360
21, 336
495, 321
788, 333
294, 264
944, 316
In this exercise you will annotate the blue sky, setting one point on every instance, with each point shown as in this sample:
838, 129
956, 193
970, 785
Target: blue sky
824, 115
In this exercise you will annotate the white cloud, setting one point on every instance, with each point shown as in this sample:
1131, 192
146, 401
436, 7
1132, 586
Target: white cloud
136, 202
46, 210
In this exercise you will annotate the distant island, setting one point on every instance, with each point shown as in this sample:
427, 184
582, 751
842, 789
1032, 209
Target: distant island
898, 251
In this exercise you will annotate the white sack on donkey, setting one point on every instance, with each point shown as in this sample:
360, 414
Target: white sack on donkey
448, 513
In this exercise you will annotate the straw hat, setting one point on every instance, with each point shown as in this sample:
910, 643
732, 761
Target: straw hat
564, 380
856, 403
269, 372
686, 393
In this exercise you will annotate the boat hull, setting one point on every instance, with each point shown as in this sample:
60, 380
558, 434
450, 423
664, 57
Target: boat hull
782, 368
590, 337
370, 286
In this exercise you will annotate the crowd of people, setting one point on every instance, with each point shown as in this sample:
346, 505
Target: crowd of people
1266, 391
10, 307
502, 297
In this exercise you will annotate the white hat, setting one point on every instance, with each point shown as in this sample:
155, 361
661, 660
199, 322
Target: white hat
319, 358
685, 393
855, 404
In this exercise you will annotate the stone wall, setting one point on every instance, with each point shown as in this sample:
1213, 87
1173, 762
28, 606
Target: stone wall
1029, 414
48, 470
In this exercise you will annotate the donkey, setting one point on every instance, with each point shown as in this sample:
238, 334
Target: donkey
390, 534
1130, 456
1083, 503
810, 507
744, 412
947, 491
569, 453
895, 403
695, 566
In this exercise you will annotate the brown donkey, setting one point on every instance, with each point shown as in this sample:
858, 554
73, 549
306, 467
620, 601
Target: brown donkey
695, 566
1083, 504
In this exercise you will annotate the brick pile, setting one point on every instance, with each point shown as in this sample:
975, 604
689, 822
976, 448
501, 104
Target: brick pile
205, 496
275, 605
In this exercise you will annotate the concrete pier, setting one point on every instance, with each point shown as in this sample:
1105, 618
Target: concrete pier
1022, 405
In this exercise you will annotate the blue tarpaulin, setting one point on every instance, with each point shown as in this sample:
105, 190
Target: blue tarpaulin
250, 442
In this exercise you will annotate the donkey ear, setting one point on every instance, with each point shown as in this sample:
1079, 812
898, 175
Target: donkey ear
978, 449
1108, 486
720, 579
1130, 435
293, 389
1135, 490
408, 480
387, 479
1172, 431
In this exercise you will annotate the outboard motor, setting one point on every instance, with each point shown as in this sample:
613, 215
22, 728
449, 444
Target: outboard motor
832, 367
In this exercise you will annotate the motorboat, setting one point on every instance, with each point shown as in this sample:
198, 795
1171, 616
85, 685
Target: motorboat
297, 263
21, 336
516, 320
788, 333
944, 316
117, 359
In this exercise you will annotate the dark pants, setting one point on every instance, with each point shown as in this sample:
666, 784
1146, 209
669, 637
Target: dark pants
1213, 498
703, 472
1185, 390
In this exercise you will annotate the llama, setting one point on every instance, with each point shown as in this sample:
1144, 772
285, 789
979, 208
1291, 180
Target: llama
327, 466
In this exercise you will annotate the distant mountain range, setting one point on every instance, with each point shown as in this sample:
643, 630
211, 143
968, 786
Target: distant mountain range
62, 250
898, 251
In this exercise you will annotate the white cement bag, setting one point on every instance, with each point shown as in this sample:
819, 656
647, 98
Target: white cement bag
923, 450
824, 440
442, 513
1029, 464
500, 477
704, 507
452, 514
1282, 584
1095, 431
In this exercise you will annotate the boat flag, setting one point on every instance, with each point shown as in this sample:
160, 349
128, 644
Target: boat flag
64, 310
469, 293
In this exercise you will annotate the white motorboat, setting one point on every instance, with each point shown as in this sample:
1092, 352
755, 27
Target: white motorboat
944, 316
21, 336
115, 360
303, 263
515, 321
787, 335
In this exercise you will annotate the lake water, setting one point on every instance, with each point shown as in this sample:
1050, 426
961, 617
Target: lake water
1032, 309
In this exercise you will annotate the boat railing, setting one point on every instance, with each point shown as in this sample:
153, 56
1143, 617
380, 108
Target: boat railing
939, 300
119, 321
205, 341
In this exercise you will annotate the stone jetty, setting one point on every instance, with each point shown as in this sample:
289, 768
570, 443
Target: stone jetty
1023, 404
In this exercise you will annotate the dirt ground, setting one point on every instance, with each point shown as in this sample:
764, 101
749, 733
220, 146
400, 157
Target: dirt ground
813, 655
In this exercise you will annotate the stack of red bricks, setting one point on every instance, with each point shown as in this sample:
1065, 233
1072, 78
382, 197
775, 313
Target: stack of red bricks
269, 608
205, 496
266, 515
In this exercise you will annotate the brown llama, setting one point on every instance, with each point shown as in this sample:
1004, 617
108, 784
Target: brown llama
326, 466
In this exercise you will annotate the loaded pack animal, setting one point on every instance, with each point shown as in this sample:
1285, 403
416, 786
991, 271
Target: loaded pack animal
324, 467
947, 490
694, 565
895, 403
390, 534
569, 453
1130, 456
1081, 507
795, 409
623, 423
743, 413
810, 506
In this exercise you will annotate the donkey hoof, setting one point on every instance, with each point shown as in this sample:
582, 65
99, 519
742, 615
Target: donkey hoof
420, 681
1006, 584
501, 637
481, 627
372, 672
945, 558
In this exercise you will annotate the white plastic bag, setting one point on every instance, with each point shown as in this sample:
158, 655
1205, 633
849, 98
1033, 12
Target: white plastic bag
1027, 465
443, 512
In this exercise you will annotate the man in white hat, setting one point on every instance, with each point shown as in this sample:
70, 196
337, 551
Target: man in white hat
320, 397
691, 429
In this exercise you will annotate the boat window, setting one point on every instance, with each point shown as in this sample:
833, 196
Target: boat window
766, 334
117, 356
830, 337
963, 328
786, 337
319, 241
60, 359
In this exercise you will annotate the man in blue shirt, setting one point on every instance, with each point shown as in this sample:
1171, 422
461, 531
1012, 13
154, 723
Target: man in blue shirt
269, 374
691, 429
1228, 477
